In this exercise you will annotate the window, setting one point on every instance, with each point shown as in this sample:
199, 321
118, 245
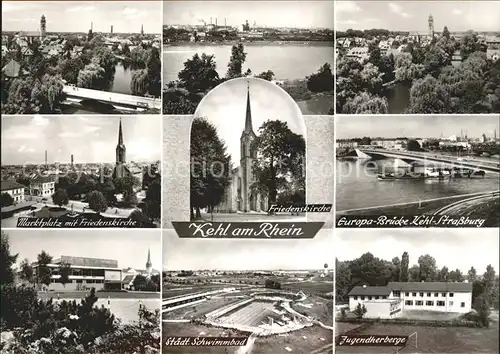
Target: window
369, 297
419, 303
440, 303
429, 303
462, 304
409, 302
436, 294
451, 294
407, 294
421, 294
414, 294
376, 297
355, 297
362, 297
428, 294
450, 303
443, 294
384, 297
397, 294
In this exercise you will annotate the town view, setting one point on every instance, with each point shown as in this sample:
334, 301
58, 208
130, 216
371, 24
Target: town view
281, 308
96, 292
404, 282
449, 165
417, 57
71, 182
85, 58
205, 46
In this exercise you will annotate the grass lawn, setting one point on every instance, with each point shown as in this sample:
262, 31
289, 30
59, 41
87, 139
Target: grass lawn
311, 287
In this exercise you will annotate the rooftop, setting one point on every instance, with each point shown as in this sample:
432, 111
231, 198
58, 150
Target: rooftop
370, 290
10, 185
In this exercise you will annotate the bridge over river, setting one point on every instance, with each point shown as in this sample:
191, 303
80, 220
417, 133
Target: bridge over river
471, 163
117, 100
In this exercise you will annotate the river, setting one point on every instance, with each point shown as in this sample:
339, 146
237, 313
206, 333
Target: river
288, 62
121, 84
358, 187
398, 97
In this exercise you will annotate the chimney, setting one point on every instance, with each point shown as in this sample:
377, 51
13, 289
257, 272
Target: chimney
46, 158
225, 25
71, 160
216, 22
210, 20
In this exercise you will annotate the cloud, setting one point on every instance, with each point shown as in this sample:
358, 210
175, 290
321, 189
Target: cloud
81, 9
398, 9
347, 22
13, 6
347, 6
23, 148
457, 12
80, 132
129, 11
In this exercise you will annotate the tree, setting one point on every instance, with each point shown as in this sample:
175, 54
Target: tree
140, 218
446, 32
210, 166
472, 275
140, 282
7, 260
365, 103
6, 199
482, 306
405, 263
444, 274
456, 276
153, 199
428, 269
60, 197
322, 81
44, 273
427, 95
342, 280
360, 311
26, 271
64, 272
413, 145
92, 76
277, 151
266, 75
97, 202
396, 262
140, 82
235, 65
414, 273
199, 74
154, 72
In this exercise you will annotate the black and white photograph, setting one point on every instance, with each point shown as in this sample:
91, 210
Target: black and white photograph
85, 57
80, 168
281, 300
442, 169
420, 57
88, 292
248, 152
289, 43
439, 288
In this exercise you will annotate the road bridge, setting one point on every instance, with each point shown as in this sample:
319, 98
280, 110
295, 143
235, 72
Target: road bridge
117, 100
471, 163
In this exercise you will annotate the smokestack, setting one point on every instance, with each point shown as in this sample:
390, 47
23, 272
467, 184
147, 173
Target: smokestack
92, 26
210, 20
225, 25
71, 160
216, 22
111, 29
46, 158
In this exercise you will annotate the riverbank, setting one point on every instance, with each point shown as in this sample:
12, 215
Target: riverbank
250, 43
101, 294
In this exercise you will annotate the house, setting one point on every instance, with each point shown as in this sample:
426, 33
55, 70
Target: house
359, 53
11, 69
493, 54
396, 297
42, 186
14, 189
346, 143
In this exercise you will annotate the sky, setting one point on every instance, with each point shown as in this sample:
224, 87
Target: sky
300, 14
225, 107
453, 248
88, 139
413, 15
246, 254
128, 247
428, 126
76, 16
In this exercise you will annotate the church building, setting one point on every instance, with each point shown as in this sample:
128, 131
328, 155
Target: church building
122, 169
239, 196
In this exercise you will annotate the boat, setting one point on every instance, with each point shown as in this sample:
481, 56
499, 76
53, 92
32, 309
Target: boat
393, 177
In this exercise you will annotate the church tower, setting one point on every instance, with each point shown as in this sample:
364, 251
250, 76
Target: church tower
247, 156
43, 27
120, 147
431, 26
149, 265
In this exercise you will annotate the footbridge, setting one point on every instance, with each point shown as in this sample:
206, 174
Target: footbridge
117, 100
472, 163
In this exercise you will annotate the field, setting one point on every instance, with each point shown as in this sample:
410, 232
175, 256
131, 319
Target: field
310, 286
318, 308
308, 340
173, 291
430, 339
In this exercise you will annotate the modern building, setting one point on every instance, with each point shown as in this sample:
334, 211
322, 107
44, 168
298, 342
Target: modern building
42, 186
395, 298
14, 189
346, 143
84, 273
238, 195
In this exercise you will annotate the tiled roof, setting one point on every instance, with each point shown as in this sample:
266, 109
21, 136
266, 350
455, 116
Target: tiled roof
11, 184
431, 286
12, 69
370, 290
128, 279
43, 179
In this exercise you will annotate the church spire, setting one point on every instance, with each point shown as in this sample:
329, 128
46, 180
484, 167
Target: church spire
248, 118
148, 262
120, 134
120, 147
